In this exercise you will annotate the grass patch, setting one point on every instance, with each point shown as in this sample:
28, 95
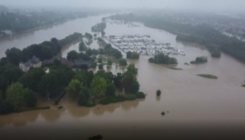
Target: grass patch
32, 109
208, 76
174, 68
243, 85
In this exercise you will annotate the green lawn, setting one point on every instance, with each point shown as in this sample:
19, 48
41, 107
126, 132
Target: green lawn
208, 76
243, 85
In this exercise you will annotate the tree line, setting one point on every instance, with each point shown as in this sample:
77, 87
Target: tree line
19, 22
45, 50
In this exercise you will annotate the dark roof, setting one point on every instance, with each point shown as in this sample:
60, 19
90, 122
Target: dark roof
82, 63
34, 60
26, 64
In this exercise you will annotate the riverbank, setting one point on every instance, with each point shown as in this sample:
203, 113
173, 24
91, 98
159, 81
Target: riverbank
18, 34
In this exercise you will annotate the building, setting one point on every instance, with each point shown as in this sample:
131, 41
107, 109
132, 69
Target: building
34, 62
82, 64
78, 63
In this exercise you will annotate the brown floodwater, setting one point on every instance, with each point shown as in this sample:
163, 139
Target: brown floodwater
192, 104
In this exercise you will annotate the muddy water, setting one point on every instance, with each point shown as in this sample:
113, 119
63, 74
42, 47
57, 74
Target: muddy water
192, 102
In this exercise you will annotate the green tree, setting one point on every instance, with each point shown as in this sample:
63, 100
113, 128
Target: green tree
30, 98
101, 66
12, 73
74, 88
1, 97
57, 62
109, 62
32, 78
6, 107
117, 80
123, 62
129, 83
163, 59
93, 65
88, 36
49, 85
14, 55
89, 52
82, 46
100, 60
85, 77
15, 93
132, 55
83, 96
98, 86
131, 68
102, 33
110, 90
159, 92
72, 55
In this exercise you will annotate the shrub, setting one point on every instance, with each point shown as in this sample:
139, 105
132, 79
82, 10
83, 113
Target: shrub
90, 103
140, 95
131, 97
163, 113
199, 60
6, 107
101, 66
112, 99
159, 92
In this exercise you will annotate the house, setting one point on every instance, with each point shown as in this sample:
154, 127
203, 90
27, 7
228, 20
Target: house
34, 62
82, 63
66, 62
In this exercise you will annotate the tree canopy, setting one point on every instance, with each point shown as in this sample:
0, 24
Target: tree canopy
163, 59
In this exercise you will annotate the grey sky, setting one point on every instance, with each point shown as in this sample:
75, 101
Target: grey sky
226, 5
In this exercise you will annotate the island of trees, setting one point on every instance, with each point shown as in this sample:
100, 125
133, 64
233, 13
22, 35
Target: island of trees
20, 90
162, 59
99, 27
208, 76
200, 60
214, 40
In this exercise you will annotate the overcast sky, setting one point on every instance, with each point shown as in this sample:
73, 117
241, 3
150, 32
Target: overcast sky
173, 4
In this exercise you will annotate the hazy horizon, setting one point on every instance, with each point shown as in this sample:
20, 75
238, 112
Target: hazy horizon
200, 5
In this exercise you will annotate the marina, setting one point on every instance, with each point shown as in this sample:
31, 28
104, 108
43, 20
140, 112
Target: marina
142, 44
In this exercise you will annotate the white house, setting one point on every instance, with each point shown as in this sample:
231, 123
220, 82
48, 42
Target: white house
33, 62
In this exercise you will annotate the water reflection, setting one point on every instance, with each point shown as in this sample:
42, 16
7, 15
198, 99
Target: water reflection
158, 98
126, 106
19, 119
99, 110
77, 111
51, 115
